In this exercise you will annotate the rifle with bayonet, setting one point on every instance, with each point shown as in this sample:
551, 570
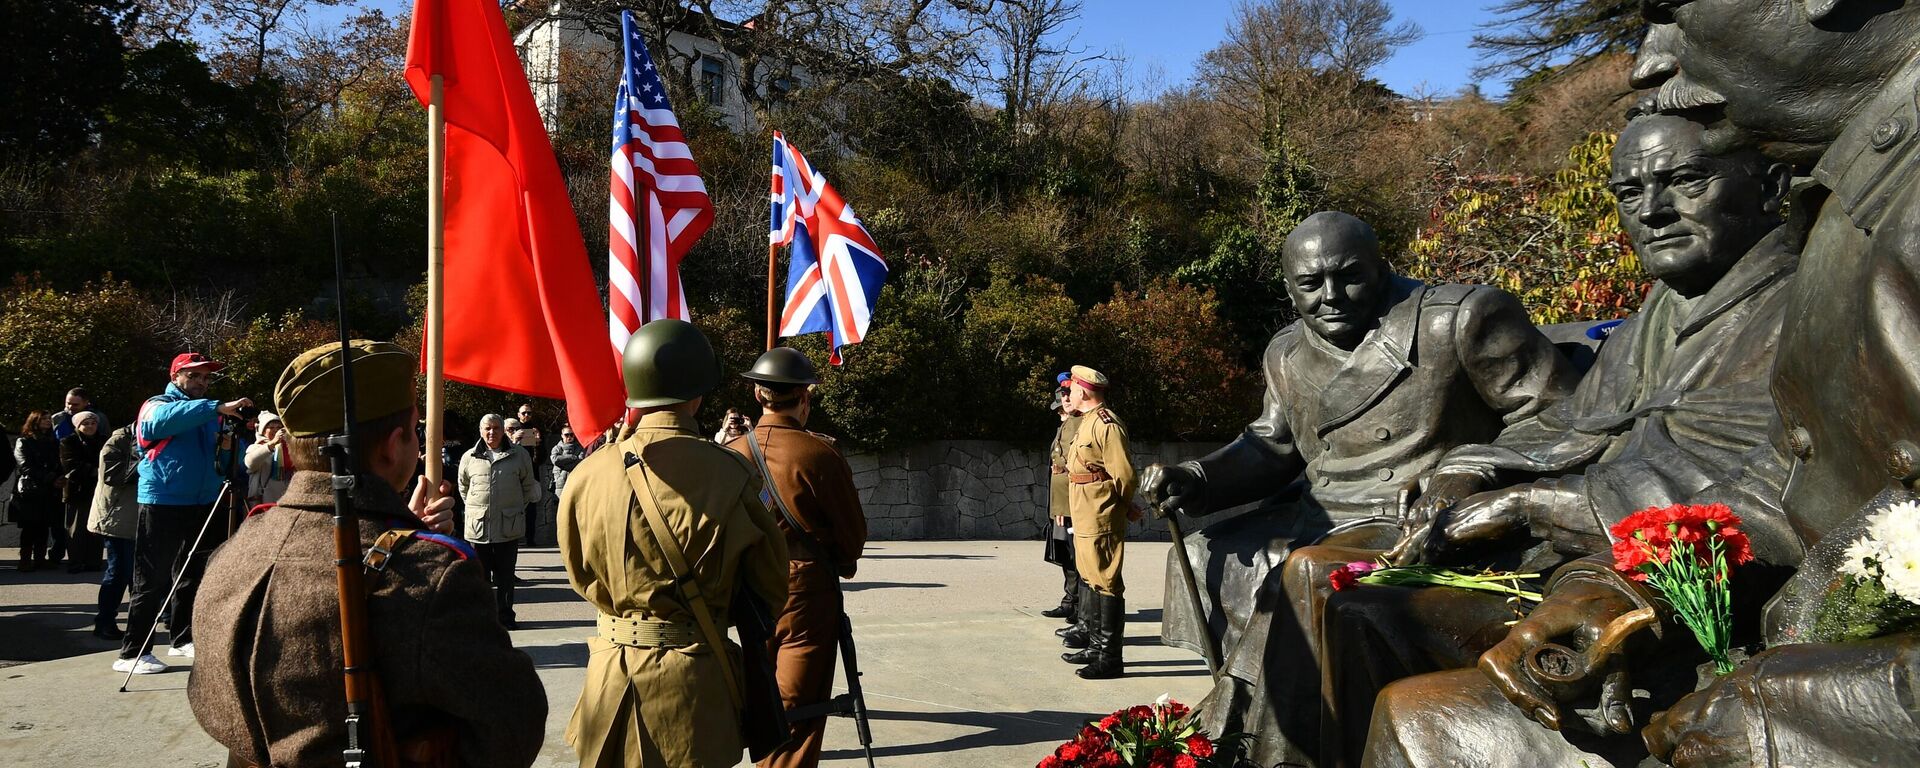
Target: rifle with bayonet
367, 722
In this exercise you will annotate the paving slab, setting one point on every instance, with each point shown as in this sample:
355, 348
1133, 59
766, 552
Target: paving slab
960, 668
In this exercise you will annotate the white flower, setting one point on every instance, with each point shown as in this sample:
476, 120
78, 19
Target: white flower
1903, 577
1855, 562
1896, 523
1161, 703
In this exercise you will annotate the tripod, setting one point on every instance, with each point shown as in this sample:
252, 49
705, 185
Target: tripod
180, 572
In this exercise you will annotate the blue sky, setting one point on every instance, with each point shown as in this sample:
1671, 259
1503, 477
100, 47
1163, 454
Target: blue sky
1171, 36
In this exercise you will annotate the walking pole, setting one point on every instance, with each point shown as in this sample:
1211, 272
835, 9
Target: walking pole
1207, 648
178, 574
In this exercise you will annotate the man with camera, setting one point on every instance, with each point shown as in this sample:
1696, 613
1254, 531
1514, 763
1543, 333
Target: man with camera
178, 435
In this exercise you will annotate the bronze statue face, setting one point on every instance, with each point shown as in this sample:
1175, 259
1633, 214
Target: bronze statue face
1788, 71
1335, 276
1690, 213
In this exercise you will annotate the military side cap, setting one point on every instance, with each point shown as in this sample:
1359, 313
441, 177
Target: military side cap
1088, 377
783, 365
309, 394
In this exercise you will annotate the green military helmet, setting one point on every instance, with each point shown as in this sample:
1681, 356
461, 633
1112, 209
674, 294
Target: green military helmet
668, 362
783, 365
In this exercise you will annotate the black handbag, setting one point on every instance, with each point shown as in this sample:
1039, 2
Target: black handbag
1059, 544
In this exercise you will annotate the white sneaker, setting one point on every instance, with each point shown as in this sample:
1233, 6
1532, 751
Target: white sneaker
181, 650
145, 665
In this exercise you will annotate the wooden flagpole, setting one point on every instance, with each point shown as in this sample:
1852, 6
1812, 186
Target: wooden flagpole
773, 265
436, 276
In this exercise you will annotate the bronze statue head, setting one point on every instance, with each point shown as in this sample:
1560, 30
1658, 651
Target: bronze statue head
1691, 208
1791, 72
1335, 276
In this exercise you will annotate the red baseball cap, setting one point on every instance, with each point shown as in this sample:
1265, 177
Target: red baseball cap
187, 360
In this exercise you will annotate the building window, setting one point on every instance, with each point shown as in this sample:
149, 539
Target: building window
778, 88
713, 79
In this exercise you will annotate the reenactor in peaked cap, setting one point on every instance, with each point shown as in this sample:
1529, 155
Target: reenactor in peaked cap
1101, 483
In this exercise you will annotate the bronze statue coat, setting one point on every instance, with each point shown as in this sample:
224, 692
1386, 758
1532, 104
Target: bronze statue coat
1449, 365
1675, 400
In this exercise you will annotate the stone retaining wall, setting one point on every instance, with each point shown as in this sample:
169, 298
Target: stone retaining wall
976, 489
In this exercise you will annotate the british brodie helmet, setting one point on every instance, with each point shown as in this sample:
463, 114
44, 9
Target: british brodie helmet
783, 365
668, 362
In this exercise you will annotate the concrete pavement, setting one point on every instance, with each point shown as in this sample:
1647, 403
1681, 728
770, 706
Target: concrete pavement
960, 670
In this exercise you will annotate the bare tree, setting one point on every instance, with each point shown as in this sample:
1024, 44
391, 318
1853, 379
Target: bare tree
1282, 58
1530, 36
1034, 62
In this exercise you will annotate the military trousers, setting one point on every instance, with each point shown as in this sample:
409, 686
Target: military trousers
805, 645
1100, 548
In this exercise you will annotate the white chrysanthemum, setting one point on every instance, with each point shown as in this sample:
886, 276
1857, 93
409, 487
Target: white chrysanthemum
1896, 523
1903, 577
1857, 554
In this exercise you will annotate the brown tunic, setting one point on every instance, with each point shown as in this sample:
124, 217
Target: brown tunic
814, 481
266, 678
1100, 506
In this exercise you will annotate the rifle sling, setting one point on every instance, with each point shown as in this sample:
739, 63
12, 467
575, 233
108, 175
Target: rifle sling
683, 576
780, 505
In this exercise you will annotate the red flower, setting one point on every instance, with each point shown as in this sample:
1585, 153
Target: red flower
1106, 760
1199, 746
1161, 758
1177, 710
1070, 751
1185, 761
1657, 534
1141, 712
1050, 762
1108, 722
1342, 578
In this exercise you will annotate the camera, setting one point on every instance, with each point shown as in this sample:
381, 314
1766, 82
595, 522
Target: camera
249, 412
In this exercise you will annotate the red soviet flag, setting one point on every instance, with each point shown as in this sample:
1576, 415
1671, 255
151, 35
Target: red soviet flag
522, 312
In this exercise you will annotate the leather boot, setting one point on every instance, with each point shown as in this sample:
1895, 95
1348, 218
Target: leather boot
1076, 635
1069, 600
1108, 639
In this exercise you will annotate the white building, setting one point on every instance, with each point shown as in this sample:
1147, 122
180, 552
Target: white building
714, 71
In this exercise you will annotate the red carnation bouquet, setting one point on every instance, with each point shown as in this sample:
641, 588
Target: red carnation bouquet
1161, 735
1686, 551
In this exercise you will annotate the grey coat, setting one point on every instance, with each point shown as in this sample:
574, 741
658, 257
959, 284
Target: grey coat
116, 511
565, 457
497, 486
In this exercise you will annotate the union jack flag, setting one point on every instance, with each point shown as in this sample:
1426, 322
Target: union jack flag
835, 271
659, 205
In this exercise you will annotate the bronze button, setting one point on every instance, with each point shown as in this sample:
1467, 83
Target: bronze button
1889, 133
1800, 443
1903, 462
1382, 433
1386, 474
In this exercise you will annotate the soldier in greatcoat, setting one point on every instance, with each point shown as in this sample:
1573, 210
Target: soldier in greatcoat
266, 678
808, 480
657, 531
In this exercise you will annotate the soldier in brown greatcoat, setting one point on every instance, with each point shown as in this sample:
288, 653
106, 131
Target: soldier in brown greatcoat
812, 481
267, 678
664, 685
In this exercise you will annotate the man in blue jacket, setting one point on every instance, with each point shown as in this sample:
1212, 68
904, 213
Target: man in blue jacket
178, 436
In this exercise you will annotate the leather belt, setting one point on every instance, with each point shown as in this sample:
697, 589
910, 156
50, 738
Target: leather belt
1083, 478
646, 633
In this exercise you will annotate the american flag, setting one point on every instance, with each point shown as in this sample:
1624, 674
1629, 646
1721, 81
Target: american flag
659, 205
835, 272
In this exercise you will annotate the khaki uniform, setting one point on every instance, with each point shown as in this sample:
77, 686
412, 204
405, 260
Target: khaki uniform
1057, 504
266, 681
1103, 483
664, 704
813, 479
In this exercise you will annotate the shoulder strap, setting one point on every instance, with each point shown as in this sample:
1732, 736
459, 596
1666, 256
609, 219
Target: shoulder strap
780, 505
683, 580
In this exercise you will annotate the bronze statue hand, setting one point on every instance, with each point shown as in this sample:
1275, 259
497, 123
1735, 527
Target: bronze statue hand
1175, 488
1581, 609
1685, 734
1443, 491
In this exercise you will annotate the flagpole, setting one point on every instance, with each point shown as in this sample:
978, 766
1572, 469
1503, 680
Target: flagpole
436, 274
773, 264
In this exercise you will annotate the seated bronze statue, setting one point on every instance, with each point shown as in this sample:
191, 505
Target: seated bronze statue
1380, 378
1829, 86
